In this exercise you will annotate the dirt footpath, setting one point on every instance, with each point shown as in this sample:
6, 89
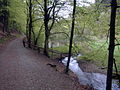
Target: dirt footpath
22, 69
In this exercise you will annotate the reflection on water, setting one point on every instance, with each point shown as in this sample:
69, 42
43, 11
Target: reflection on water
96, 80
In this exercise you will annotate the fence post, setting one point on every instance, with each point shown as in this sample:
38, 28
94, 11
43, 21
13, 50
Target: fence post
38, 49
60, 55
23, 43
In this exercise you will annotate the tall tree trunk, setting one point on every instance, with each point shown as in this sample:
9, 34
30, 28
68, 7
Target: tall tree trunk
5, 17
30, 23
3, 25
71, 37
7, 23
46, 18
37, 38
46, 45
27, 25
34, 37
111, 45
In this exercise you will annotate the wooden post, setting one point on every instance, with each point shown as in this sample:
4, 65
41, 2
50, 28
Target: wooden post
23, 43
60, 55
38, 49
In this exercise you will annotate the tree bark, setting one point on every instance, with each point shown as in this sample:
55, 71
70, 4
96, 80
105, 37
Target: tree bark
111, 45
71, 37
30, 23
37, 38
27, 25
3, 25
46, 18
5, 16
46, 45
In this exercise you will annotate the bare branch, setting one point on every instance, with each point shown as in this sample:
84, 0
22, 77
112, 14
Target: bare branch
40, 5
53, 20
37, 19
60, 33
118, 6
36, 40
117, 44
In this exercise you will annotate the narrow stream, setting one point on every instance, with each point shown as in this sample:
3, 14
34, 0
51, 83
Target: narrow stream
96, 80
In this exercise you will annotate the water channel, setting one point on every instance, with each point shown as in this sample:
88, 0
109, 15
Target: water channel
95, 80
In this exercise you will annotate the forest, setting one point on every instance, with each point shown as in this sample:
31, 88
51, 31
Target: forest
86, 29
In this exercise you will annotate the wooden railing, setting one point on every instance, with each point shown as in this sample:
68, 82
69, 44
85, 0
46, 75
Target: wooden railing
53, 53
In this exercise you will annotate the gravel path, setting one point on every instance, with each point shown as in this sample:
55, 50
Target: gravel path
22, 69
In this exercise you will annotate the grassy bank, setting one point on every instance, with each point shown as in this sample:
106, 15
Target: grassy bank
6, 38
93, 51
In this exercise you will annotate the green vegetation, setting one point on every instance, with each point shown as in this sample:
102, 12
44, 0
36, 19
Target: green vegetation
6, 38
98, 53
95, 51
63, 49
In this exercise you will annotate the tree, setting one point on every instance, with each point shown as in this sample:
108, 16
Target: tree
71, 36
32, 12
12, 15
4, 17
50, 15
111, 45
29, 25
17, 15
47, 32
30, 22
